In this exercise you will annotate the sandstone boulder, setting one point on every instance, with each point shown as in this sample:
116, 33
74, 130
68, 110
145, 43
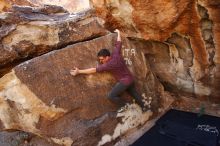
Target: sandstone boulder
40, 96
175, 43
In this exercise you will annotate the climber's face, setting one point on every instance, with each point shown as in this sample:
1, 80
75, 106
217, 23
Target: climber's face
103, 60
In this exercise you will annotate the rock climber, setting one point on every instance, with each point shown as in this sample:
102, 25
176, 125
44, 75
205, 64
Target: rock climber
115, 64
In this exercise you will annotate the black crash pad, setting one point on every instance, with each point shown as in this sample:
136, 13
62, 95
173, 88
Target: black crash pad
179, 128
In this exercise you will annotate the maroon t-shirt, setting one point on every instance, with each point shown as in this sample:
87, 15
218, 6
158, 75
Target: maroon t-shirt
117, 67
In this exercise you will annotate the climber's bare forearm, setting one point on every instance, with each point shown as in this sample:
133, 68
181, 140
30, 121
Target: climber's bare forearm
87, 71
77, 71
119, 35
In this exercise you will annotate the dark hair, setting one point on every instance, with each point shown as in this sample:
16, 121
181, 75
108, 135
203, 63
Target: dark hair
103, 52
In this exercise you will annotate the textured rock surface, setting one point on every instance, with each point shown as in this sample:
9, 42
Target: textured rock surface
152, 19
213, 43
22, 138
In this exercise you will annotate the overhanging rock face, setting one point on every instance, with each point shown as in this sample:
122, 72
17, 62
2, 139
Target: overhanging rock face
46, 100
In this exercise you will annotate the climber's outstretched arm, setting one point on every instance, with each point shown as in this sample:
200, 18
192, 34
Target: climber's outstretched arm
77, 71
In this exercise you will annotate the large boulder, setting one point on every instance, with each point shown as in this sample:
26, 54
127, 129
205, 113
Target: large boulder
40, 96
175, 43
